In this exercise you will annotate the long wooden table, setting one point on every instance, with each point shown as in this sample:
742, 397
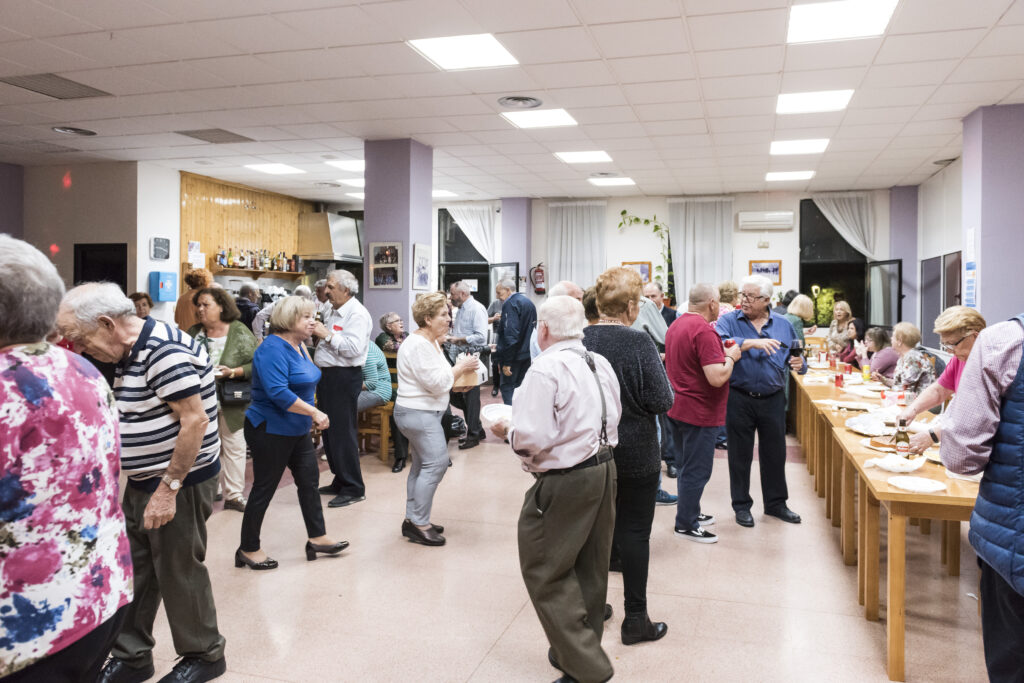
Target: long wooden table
836, 459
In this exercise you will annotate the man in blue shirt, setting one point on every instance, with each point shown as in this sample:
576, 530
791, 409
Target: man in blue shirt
757, 402
469, 335
518, 316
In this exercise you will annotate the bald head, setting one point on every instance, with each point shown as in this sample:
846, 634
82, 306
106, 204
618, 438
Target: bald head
704, 301
567, 288
654, 292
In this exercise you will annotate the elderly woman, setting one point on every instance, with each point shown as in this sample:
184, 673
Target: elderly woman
59, 464
877, 352
958, 328
645, 393
727, 295
392, 332
277, 426
185, 310
425, 379
914, 371
143, 304
799, 312
839, 330
230, 346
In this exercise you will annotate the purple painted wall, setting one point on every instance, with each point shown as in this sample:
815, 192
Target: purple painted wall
516, 231
993, 204
12, 198
903, 244
397, 208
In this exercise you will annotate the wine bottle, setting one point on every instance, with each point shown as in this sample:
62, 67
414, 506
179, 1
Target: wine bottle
902, 439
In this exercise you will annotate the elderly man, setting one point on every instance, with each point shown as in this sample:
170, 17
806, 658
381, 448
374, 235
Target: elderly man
699, 369
654, 292
983, 434
564, 425
650, 321
165, 394
757, 402
563, 288
345, 338
248, 303
469, 335
518, 315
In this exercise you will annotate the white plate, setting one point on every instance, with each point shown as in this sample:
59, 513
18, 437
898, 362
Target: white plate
917, 484
845, 405
494, 413
869, 425
896, 463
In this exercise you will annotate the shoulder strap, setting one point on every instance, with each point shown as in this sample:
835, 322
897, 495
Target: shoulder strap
589, 359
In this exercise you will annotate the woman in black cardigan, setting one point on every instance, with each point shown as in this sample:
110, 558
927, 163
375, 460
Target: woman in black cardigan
645, 393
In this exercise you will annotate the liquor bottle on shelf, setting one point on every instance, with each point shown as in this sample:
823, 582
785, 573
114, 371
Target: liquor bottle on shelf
902, 439
231, 258
242, 261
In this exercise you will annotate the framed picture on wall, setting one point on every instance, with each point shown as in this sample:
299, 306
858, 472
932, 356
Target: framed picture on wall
641, 267
770, 269
385, 265
421, 266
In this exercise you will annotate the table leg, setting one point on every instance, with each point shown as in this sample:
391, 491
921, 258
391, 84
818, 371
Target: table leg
827, 473
819, 456
953, 549
847, 533
862, 525
836, 457
871, 548
944, 552
897, 578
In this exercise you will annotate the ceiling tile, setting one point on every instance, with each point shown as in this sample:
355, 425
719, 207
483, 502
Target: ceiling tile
682, 127
180, 76
521, 15
989, 69
833, 55
567, 75
747, 106
740, 87
604, 131
607, 11
305, 65
901, 75
179, 41
481, 122
37, 56
1002, 40
234, 70
412, 19
667, 91
757, 60
896, 97
669, 111
552, 45
879, 115
39, 20
742, 123
1014, 15
955, 110
979, 93
739, 30
120, 81
423, 85
504, 81
928, 46
337, 26
647, 69
1016, 97
831, 79
593, 96
877, 130
640, 38
746, 137
386, 58
920, 16
618, 114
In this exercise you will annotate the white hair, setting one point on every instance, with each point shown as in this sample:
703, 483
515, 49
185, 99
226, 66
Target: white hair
346, 280
508, 283
302, 290
563, 316
701, 293
88, 302
762, 283
563, 288
462, 286
655, 283
320, 284
30, 292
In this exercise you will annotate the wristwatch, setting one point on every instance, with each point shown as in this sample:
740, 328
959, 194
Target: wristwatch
172, 484
931, 433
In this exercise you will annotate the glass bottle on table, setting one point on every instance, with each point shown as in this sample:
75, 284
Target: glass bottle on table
902, 439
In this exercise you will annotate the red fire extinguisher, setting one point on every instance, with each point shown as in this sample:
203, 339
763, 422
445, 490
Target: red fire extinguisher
537, 278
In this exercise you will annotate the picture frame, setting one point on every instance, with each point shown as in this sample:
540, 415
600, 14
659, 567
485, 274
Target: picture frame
421, 266
385, 259
643, 268
771, 269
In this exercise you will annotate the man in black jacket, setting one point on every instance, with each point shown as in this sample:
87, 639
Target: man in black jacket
248, 303
518, 316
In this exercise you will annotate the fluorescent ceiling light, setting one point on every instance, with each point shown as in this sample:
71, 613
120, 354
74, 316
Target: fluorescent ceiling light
442, 194
779, 176
811, 102
478, 51
839, 20
539, 118
595, 157
274, 169
354, 166
353, 182
799, 146
357, 195
610, 182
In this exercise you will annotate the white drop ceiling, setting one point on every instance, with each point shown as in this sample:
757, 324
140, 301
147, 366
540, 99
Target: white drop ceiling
681, 93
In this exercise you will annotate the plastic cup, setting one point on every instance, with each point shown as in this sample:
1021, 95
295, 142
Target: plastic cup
865, 372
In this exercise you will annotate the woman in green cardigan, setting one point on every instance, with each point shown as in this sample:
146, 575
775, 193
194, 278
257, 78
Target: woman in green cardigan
231, 346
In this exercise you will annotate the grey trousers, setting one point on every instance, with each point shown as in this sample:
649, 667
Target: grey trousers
565, 540
429, 450
168, 565
367, 400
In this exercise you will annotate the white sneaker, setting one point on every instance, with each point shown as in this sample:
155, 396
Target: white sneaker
705, 520
699, 535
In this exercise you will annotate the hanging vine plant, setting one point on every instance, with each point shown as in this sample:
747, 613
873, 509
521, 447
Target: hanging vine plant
663, 274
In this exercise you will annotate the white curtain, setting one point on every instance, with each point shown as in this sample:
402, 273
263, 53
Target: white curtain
479, 223
853, 217
700, 233
576, 242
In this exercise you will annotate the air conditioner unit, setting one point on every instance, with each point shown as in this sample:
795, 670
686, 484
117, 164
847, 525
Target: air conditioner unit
765, 220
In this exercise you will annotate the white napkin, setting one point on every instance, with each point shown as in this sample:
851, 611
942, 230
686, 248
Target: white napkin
917, 484
964, 477
895, 463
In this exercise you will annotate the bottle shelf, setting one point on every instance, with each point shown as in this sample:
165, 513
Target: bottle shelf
256, 273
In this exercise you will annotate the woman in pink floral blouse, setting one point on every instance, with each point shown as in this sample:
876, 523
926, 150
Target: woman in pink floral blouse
65, 566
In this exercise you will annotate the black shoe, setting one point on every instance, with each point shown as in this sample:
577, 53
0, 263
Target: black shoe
418, 535
744, 518
399, 465
313, 548
638, 628
195, 670
341, 501
329, 490
721, 446
118, 671
237, 504
243, 561
468, 443
671, 472
436, 527
607, 611
494, 391
785, 514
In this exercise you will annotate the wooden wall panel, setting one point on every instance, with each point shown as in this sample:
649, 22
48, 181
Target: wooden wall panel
220, 215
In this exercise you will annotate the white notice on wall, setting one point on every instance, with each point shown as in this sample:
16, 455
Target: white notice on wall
197, 259
969, 247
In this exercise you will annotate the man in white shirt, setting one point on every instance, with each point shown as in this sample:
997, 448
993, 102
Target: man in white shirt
345, 336
563, 288
469, 334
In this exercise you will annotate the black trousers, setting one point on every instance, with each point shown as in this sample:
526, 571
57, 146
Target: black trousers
1002, 627
766, 416
401, 443
271, 453
634, 515
337, 394
511, 383
79, 662
469, 402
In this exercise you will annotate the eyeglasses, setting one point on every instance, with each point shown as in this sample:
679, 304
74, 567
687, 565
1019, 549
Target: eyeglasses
748, 297
949, 347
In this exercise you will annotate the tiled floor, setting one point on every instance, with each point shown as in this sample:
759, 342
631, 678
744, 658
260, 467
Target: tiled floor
772, 603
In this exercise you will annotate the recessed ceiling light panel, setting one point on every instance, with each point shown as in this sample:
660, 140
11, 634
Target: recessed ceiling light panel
610, 182
841, 20
478, 51
274, 169
351, 165
353, 182
595, 157
539, 118
782, 147
813, 102
782, 176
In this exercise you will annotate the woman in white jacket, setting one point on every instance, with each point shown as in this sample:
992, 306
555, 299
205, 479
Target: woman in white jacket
425, 379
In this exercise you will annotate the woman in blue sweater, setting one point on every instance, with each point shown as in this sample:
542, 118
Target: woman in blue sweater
277, 426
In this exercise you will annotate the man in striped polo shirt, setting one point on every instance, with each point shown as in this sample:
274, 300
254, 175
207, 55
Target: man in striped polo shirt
164, 387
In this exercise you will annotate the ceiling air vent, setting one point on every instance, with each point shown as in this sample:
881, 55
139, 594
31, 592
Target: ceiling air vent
519, 102
54, 86
216, 136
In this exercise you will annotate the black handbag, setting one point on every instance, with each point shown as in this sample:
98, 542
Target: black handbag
453, 425
234, 392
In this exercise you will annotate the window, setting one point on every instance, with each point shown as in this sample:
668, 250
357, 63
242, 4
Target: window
459, 259
940, 289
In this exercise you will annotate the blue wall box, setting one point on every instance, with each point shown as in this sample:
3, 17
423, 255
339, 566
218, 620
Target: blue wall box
163, 286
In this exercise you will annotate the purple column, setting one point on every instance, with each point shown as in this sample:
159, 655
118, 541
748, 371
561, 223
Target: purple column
993, 207
903, 243
516, 231
12, 197
399, 177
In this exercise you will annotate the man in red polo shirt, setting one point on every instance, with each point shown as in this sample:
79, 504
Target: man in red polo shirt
699, 369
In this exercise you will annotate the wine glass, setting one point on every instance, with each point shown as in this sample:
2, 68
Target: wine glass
796, 348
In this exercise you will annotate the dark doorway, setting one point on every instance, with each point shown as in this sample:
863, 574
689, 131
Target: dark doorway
102, 263
459, 259
828, 261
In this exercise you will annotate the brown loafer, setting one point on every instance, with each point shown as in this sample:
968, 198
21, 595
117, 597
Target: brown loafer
235, 504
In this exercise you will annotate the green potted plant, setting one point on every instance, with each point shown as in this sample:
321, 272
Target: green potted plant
662, 274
